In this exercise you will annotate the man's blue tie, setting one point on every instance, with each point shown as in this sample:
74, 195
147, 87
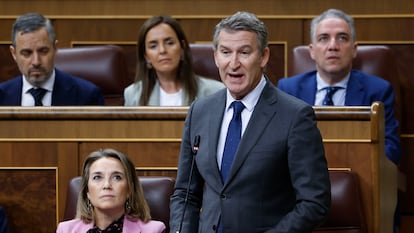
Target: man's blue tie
232, 139
38, 94
330, 91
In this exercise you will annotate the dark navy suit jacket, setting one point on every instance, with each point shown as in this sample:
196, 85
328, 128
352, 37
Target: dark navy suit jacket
362, 90
3, 221
67, 91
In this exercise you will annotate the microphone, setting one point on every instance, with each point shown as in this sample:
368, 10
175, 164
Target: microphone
194, 151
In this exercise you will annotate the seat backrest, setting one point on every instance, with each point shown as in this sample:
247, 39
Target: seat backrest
157, 192
378, 60
372, 59
203, 61
346, 214
103, 65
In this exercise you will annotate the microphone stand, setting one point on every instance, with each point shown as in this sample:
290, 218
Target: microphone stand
194, 153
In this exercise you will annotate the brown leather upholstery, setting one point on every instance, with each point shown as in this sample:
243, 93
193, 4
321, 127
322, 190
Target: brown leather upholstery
203, 61
157, 191
377, 60
346, 214
103, 65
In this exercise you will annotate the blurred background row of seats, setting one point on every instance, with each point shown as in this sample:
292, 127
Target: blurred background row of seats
112, 68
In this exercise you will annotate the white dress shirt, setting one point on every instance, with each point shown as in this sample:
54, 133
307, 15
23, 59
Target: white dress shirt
338, 97
27, 98
249, 101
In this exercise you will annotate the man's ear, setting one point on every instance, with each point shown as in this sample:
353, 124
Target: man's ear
55, 45
311, 52
355, 49
13, 51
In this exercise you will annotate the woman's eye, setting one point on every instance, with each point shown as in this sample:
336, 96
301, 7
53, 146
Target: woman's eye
152, 46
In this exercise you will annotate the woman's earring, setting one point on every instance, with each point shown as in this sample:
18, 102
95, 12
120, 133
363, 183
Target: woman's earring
89, 205
149, 65
127, 206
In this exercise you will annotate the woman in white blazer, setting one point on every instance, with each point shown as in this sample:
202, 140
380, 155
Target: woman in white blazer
164, 73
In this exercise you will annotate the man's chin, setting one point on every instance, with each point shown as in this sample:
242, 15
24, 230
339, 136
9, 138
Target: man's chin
37, 80
334, 69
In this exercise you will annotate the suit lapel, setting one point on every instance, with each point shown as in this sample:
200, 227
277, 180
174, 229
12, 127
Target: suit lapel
61, 94
215, 121
154, 99
354, 93
307, 90
264, 111
12, 97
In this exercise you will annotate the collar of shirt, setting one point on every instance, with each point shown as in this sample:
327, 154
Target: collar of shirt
339, 96
250, 99
27, 99
48, 85
321, 84
249, 102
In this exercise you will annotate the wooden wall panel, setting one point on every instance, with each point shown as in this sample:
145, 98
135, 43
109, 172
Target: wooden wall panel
404, 54
196, 29
201, 7
376, 28
8, 67
406, 166
145, 155
68, 30
29, 198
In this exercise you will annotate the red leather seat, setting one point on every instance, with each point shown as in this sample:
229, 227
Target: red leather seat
203, 61
103, 65
346, 214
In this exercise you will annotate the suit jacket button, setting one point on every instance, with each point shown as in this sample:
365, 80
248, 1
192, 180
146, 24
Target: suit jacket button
214, 227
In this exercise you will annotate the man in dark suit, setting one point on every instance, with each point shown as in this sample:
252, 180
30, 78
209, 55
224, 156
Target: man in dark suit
333, 48
34, 47
277, 179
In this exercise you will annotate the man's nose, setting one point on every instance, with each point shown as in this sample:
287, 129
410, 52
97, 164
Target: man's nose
333, 44
36, 59
234, 61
